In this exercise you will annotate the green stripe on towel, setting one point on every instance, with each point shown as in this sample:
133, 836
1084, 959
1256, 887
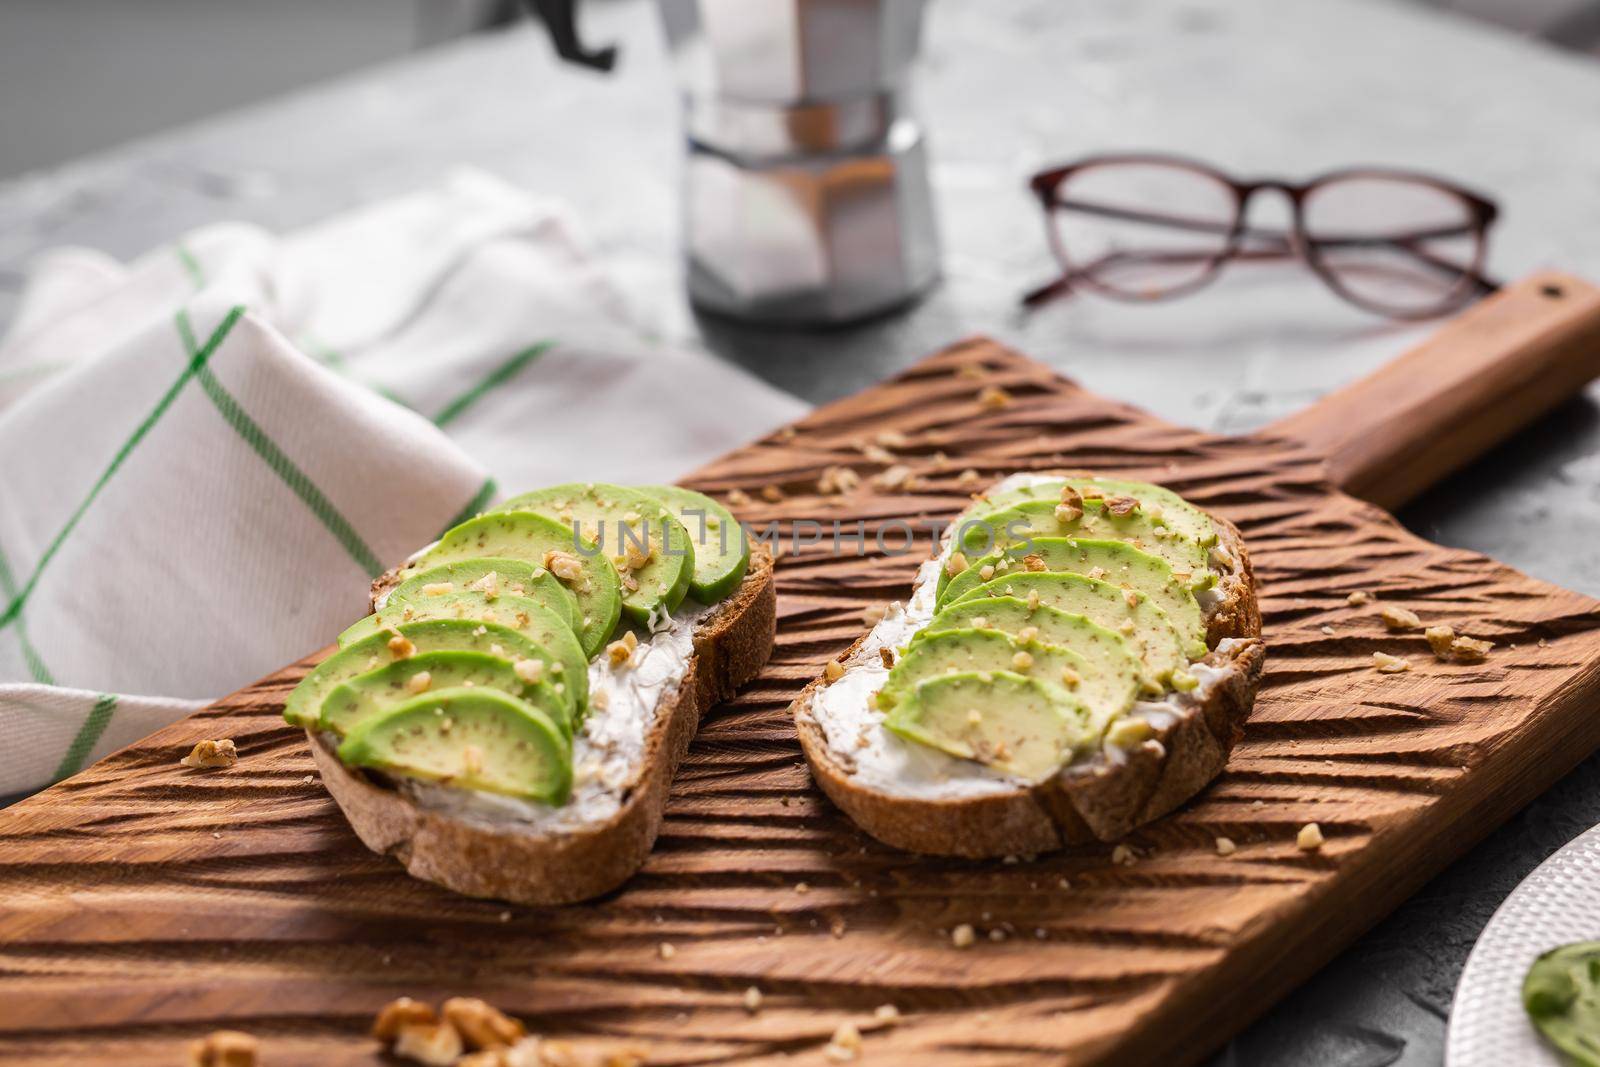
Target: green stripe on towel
89, 734
196, 362
315, 500
30, 655
500, 374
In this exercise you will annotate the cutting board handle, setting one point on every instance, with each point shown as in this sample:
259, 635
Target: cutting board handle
1484, 375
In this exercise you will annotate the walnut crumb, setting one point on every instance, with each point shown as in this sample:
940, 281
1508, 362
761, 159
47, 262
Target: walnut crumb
896, 477
887, 1014
993, 398
877, 454
737, 497
788, 433
833, 670
564, 565
873, 614
1327, 631
1439, 638
1469, 649
836, 480
955, 564
482, 1025
893, 439
1035, 563
986, 571
400, 647
802, 888
1384, 663
1124, 856
886, 657
1122, 505
1226, 847
1022, 660
1399, 619
846, 1044
419, 682
963, 936
209, 755
224, 1048
666, 950
618, 653
752, 1000
431, 1044
772, 494
1358, 598
1068, 513
530, 671
438, 588
1310, 838
968, 477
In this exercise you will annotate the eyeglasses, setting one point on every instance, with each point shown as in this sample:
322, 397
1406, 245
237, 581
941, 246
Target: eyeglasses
1143, 227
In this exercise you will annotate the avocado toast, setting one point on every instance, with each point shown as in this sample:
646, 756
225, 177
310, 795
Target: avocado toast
508, 720
1076, 661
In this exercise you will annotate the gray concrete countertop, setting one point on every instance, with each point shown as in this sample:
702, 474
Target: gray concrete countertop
1282, 87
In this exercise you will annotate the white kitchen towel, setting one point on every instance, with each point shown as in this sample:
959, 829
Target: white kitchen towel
205, 454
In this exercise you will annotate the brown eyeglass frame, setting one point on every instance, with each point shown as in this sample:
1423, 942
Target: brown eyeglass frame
1296, 243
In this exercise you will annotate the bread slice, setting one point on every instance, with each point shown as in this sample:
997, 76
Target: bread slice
480, 855
1095, 799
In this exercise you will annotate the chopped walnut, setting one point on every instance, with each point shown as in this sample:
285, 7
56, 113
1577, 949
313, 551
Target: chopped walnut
1439, 638
1097, 573
1028, 633
1132, 597
986, 571
896, 477
1122, 505
1033, 600
618, 653
1399, 619
481, 1024
666, 950
489, 585
955, 564
224, 1048
1070, 678
836, 480
737, 497
1226, 847
893, 439
1310, 838
788, 433
963, 936
563, 565
209, 755
1035, 563
833, 670
972, 370
529, 670
877, 454
873, 614
752, 1000
772, 494
846, 1044
1384, 663
1466, 649
599, 700
993, 398
886, 656
401, 647
399, 1014
1022, 661
1066, 514
432, 1044
887, 1014
438, 588
1358, 598
419, 682
1124, 856
968, 477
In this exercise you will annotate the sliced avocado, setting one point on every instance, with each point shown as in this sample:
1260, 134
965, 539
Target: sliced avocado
304, 704
1160, 502
492, 577
990, 531
721, 551
1114, 561
377, 691
529, 536
624, 521
567, 663
1106, 694
1110, 655
1145, 625
1561, 995
1017, 725
467, 738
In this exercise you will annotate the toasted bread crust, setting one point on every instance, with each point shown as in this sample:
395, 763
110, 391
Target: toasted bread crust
730, 646
1099, 803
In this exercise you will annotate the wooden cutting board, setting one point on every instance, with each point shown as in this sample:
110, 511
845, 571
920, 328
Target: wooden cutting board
142, 904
